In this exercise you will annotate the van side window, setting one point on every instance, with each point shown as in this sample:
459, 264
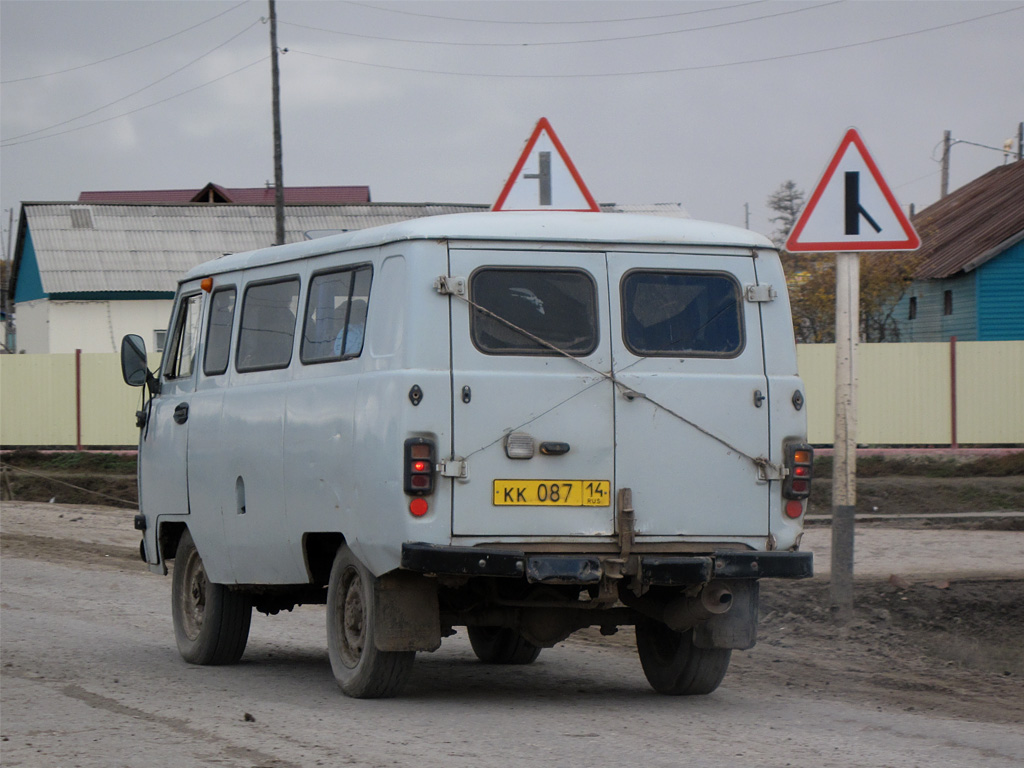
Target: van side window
555, 307
682, 314
335, 315
182, 357
218, 331
268, 325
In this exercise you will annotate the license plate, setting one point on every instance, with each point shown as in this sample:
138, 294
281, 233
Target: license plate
552, 493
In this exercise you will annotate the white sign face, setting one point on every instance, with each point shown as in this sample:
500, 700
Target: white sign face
544, 178
852, 208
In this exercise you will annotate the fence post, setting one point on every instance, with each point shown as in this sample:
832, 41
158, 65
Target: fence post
952, 392
78, 400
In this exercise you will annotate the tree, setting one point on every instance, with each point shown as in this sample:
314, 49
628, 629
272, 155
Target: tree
810, 277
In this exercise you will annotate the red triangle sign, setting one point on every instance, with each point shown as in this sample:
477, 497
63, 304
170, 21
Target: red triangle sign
545, 178
852, 208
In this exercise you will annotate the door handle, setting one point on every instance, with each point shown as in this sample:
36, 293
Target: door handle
181, 413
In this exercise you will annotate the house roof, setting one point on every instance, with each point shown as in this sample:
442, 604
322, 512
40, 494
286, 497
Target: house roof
214, 193
86, 247
973, 224
81, 248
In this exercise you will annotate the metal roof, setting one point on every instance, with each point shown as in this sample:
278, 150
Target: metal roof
594, 229
120, 248
973, 224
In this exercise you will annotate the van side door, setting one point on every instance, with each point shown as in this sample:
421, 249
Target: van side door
163, 449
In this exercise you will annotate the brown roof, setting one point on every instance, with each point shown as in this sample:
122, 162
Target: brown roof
214, 193
973, 224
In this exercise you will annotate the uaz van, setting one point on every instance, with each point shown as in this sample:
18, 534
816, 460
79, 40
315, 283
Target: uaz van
519, 423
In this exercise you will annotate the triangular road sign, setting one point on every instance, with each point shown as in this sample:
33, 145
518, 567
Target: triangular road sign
545, 179
852, 208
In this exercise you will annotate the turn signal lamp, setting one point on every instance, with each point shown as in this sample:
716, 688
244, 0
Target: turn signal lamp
419, 469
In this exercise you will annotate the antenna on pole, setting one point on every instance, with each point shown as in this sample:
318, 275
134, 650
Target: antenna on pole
275, 84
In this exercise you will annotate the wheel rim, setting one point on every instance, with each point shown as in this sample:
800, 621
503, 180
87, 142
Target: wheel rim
193, 596
352, 619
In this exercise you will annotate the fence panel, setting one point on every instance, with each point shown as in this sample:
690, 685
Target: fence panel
904, 396
37, 399
989, 387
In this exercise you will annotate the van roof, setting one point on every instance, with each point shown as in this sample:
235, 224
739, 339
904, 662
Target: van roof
559, 227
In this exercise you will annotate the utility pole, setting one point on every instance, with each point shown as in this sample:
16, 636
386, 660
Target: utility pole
1020, 142
275, 82
946, 144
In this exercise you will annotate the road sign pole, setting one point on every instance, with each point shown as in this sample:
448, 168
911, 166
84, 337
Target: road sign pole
844, 468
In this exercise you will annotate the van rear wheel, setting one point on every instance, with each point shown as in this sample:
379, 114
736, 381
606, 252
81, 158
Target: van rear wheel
361, 670
211, 622
501, 645
673, 665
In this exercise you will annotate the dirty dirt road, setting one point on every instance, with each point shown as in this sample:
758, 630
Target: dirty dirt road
89, 676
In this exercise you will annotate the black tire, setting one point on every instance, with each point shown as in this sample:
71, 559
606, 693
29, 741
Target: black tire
361, 670
500, 645
673, 665
211, 622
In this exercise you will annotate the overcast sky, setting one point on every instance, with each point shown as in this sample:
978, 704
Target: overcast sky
709, 104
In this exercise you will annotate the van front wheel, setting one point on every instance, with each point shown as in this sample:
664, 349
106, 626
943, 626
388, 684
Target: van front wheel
211, 622
361, 670
674, 665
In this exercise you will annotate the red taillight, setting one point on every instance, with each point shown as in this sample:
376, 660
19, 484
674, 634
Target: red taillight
800, 466
418, 507
794, 508
419, 467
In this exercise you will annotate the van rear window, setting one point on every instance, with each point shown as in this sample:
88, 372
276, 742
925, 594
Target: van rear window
268, 325
682, 314
533, 311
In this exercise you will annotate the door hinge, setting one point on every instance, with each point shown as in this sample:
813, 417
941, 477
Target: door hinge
450, 286
768, 471
756, 293
457, 468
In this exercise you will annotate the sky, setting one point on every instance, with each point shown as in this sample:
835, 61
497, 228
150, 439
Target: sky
708, 104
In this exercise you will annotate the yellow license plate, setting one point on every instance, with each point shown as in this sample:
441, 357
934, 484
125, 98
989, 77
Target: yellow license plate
552, 493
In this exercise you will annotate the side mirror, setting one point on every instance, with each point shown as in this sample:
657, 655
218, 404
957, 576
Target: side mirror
133, 361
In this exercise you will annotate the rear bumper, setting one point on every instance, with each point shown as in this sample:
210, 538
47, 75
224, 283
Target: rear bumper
670, 571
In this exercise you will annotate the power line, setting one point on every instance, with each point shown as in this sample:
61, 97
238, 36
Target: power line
125, 53
139, 109
547, 23
136, 92
567, 42
671, 70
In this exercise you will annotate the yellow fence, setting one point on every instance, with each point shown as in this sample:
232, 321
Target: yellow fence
905, 396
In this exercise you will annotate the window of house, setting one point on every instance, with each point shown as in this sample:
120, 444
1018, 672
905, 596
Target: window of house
181, 361
533, 311
336, 315
912, 312
268, 325
947, 303
159, 340
218, 331
682, 314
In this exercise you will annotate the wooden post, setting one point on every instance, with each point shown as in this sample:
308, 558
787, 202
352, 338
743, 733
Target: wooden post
844, 469
78, 399
952, 393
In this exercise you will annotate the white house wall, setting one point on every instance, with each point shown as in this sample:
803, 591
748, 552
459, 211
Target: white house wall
33, 322
98, 326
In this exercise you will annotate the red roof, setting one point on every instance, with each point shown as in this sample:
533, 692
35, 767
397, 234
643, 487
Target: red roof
214, 193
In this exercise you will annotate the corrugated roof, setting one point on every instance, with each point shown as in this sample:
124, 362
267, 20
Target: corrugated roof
972, 224
238, 195
148, 247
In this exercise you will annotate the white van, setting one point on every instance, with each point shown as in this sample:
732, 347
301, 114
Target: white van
519, 423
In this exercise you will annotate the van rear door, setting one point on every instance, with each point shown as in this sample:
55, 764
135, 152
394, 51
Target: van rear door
688, 344
532, 407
